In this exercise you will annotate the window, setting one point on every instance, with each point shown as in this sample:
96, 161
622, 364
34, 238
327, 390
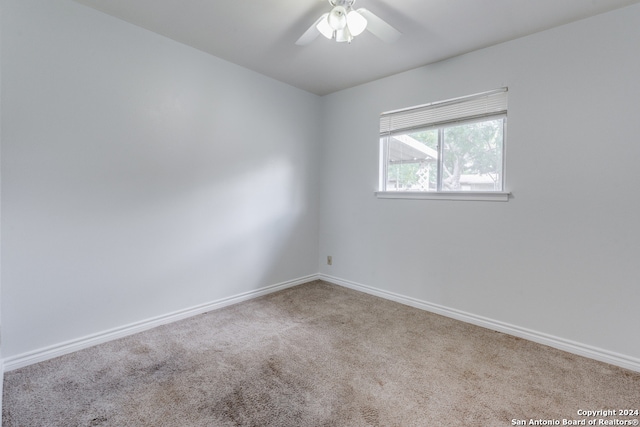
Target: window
453, 146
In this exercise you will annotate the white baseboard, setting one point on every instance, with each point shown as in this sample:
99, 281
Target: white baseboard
40, 355
580, 349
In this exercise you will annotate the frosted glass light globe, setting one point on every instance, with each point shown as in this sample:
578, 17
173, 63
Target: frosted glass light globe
338, 18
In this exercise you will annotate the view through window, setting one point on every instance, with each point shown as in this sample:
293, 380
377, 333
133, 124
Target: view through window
448, 146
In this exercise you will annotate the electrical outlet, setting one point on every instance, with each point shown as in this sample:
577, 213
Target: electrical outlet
329, 260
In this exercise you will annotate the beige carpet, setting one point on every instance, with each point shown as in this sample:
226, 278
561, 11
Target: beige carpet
315, 355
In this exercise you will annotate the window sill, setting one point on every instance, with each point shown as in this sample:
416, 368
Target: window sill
492, 196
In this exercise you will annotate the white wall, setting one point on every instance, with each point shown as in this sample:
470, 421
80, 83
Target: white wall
141, 176
131, 187
561, 257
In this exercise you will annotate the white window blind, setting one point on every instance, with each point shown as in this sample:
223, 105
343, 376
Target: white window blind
470, 107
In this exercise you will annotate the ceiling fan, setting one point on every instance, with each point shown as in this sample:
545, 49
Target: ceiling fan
344, 22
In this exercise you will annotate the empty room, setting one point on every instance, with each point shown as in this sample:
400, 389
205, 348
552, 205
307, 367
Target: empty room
319, 212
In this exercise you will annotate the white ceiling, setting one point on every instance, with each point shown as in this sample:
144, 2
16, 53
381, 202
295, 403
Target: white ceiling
261, 34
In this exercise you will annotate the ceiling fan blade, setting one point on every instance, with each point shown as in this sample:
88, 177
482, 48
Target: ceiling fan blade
311, 33
379, 28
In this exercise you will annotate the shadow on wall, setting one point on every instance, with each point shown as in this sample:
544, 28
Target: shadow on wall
98, 270
233, 229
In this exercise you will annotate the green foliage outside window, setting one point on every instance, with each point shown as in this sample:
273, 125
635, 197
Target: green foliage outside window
470, 150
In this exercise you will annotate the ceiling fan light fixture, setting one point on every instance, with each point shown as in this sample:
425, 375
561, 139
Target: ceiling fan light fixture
324, 27
344, 35
338, 18
356, 23
343, 23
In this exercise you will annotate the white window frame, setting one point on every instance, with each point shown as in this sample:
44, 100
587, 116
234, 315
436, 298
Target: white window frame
477, 107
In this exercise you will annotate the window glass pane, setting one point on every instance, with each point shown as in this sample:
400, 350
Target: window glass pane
412, 161
472, 156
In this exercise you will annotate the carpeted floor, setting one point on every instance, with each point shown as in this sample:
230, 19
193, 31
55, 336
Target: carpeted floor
315, 355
